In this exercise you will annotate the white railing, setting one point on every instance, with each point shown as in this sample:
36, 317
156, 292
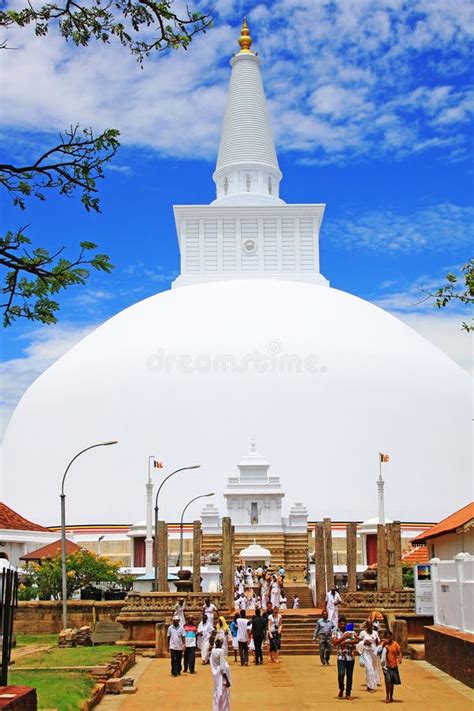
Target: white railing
453, 592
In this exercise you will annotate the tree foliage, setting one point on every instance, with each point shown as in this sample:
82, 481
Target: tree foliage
83, 568
457, 288
75, 163
30, 276
142, 26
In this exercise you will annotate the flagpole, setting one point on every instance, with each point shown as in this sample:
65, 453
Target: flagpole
380, 492
149, 508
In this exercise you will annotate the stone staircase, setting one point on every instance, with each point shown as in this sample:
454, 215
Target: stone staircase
303, 592
298, 628
298, 633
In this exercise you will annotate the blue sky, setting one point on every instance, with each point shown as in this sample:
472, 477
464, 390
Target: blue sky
371, 107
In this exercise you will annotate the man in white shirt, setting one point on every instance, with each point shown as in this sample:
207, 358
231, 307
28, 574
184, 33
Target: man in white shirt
176, 639
243, 625
333, 599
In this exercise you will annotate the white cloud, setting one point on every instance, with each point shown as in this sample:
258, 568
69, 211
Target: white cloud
443, 327
45, 346
428, 229
343, 80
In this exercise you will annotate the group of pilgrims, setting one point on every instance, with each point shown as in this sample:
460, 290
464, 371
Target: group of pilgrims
211, 637
214, 637
377, 654
257, 588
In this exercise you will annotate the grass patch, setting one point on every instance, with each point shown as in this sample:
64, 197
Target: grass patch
24, 640
59, 690
73, 656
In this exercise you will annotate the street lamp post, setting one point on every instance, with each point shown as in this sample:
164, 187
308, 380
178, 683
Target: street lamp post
202, 496
63, 526
182, 469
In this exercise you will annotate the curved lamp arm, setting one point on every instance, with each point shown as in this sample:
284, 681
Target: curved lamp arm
182, 469
100, 444
202, 496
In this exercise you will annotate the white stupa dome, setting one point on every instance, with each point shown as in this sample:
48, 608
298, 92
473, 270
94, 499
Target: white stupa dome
255, 552
254, 344
152, 378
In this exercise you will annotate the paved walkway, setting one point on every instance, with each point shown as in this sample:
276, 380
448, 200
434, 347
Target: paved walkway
295, 683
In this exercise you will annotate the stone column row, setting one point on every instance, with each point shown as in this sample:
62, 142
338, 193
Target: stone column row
389, 557
162, 556
351, 556
323, 558
197, 552
227, 561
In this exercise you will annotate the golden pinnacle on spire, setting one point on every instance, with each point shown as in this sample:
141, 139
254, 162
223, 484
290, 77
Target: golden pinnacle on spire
245, 40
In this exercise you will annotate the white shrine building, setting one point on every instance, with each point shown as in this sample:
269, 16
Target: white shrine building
252, 339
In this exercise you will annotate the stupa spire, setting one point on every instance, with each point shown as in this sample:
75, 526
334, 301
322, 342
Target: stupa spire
245, 39
247, 170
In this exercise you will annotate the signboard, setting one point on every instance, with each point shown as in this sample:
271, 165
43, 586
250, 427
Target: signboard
423, 589
108, 632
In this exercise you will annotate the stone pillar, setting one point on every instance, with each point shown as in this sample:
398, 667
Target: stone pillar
351, 556
397, 548
161, 642
227, 563
382, 573
197, 541
328, 551
320, 567
400, 634
162, 557
390, 556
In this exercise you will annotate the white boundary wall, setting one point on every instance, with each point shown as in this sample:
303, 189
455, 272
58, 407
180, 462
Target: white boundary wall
453, 592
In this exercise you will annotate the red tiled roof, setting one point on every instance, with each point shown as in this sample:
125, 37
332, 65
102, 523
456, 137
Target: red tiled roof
448, 525
10, 520
51, 550
415, 555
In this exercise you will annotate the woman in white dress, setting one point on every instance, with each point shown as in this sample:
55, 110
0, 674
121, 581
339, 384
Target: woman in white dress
275, 592
205, 630
221, 675
264, 592
369, 641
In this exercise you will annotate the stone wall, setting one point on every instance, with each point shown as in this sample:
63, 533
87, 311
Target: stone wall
451, 651
44, 617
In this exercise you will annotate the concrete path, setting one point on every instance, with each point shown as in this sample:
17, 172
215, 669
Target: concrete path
295, 683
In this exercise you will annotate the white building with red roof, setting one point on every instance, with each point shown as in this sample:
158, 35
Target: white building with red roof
18, 536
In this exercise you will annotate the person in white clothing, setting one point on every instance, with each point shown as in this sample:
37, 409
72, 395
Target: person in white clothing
333, 599
296, 602
179, 611
204, 630
176, 642
223, 633
243, 625
221, 675
242, 602
369, 641
210, 609
275, 592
